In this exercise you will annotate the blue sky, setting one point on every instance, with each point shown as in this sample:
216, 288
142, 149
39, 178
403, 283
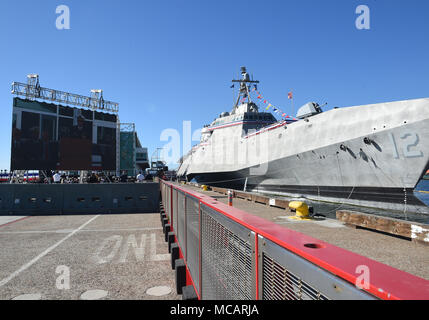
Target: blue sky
170, 61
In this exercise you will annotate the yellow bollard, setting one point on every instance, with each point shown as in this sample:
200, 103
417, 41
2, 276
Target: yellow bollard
204, 187
301, 209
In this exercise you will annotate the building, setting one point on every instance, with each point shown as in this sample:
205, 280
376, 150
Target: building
142, 160
133, 157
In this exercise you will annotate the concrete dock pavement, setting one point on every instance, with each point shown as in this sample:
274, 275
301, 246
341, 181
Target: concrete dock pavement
399, 253
118, 257
5, 220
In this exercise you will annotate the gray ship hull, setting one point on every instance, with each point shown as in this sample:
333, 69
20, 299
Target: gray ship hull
375, 162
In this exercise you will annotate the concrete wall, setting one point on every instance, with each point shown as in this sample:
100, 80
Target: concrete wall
45, 199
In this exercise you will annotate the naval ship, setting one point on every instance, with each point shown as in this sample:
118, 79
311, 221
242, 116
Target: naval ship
370, 155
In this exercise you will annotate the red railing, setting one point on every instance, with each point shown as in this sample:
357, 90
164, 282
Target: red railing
384, 282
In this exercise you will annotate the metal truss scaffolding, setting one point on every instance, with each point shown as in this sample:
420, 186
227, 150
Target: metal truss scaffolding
32, 90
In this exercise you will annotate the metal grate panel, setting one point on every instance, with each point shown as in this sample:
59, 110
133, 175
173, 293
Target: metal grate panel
192, 236
162, 194
166, 200
228, 271
169, 203
284, 275
280, 284
175, 208
181, 216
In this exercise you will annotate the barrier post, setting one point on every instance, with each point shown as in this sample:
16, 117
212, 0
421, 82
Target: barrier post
230, 196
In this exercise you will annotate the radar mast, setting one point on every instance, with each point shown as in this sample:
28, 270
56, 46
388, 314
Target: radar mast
244, 91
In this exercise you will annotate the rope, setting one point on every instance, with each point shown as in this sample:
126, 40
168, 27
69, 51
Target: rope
318, 189
341, 205
395, 181
405, 204
370, 154
348, 198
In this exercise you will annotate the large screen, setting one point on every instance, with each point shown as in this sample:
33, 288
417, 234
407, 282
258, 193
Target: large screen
54, 137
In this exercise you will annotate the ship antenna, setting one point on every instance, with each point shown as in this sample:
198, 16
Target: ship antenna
244, 87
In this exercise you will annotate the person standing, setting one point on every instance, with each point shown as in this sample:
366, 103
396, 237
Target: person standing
140, 177
57, 177
124, 177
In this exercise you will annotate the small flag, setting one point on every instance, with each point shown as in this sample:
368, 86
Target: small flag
283, 114
232, 86
265, 101
290, 95
259, 97
267, 108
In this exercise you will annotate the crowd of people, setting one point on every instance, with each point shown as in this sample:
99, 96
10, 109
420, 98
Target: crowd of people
93, 177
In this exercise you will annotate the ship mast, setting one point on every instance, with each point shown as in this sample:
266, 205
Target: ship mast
244, 91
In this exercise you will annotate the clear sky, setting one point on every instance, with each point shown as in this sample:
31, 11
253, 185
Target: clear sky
170, 61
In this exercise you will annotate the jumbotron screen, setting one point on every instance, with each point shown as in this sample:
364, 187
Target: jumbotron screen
54, 137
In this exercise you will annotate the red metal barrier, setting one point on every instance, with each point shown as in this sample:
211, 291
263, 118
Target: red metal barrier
385, 282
